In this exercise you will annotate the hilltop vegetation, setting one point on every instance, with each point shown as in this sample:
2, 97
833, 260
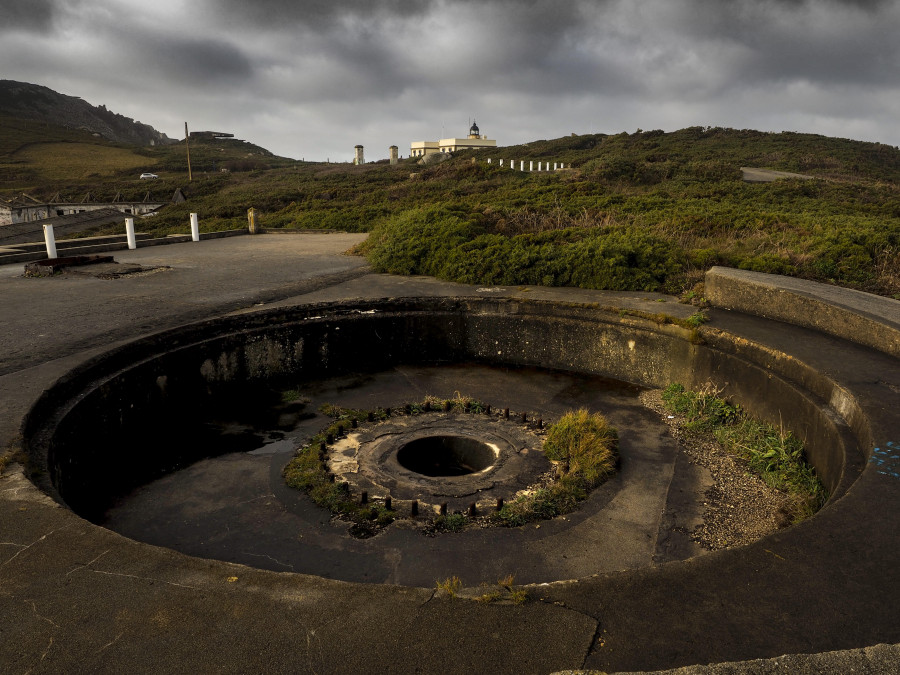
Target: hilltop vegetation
642, 211
33, 102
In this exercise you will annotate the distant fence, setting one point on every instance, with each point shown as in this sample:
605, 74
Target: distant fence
531, 165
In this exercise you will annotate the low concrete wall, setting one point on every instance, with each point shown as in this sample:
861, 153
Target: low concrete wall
189, 371
859, 317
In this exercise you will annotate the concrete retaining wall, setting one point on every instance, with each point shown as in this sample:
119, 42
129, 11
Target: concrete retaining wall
866, 319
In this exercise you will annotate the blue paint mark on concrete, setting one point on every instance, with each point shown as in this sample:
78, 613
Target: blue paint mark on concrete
887, 459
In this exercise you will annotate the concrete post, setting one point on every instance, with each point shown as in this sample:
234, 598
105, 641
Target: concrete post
501, 163
489, 160
129, 233
393, 154
531, 165
522, 165
251, 220
50, 241
195, 227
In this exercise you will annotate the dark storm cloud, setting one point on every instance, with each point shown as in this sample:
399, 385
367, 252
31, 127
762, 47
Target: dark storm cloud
30, 15
313, 13
308, 76
195, 61
814, 40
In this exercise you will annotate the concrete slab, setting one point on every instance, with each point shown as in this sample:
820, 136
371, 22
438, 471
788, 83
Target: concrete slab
78, 597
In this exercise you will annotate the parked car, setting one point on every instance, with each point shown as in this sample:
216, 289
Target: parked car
146, 176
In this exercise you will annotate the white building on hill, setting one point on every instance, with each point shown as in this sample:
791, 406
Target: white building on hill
474, 141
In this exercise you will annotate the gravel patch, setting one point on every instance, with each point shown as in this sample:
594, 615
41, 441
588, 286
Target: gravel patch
739, 507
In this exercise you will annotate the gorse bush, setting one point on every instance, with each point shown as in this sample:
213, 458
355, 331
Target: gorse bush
441, 243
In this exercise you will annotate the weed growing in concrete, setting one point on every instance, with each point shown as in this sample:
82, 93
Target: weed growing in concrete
772, 453
454, 522
291, 395
503, 590
585, 448
696, 319
449, 586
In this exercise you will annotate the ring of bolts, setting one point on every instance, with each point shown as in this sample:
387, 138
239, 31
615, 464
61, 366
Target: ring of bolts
472, 511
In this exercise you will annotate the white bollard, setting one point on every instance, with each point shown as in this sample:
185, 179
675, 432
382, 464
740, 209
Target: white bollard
195, 227
522, 165
501, 162
539, 166
489, 160
531, 166
554, 166
129, 233
50, 240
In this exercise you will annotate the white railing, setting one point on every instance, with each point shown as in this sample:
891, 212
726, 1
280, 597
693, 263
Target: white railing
540, 166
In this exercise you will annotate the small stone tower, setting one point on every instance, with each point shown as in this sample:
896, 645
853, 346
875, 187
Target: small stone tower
359, 158
393, 154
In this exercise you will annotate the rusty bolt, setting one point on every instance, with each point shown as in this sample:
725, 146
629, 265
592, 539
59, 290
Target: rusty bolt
499, 503
414, 508
473, 510
444, 509
506, 413
387, 503
364, 497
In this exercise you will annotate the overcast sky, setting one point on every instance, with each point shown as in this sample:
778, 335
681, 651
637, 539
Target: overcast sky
312, 78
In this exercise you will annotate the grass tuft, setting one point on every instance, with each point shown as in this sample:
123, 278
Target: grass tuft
585, 447
449, 586
775, 455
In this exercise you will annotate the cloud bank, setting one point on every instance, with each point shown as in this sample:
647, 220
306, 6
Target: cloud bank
312, 79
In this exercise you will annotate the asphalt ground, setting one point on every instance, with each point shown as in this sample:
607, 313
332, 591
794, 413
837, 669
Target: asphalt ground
76, 597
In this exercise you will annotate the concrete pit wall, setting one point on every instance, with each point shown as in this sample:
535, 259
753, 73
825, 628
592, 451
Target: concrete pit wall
81, 435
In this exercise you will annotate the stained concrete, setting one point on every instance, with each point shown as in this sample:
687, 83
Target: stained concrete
238, 509
77, 597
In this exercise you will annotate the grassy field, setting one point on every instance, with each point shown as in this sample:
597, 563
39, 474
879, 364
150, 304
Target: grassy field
81, 161
642, 211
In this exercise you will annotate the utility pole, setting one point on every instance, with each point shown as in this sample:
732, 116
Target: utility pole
187, 146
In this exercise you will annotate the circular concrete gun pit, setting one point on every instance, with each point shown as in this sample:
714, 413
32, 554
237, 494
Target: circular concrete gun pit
236, 507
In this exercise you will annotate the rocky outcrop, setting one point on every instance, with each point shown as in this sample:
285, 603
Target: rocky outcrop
34, 102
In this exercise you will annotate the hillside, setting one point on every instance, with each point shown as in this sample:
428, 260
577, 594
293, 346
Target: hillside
33, 102
642, 211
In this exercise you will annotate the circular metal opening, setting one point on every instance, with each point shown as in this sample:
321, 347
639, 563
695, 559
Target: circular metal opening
445, 456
